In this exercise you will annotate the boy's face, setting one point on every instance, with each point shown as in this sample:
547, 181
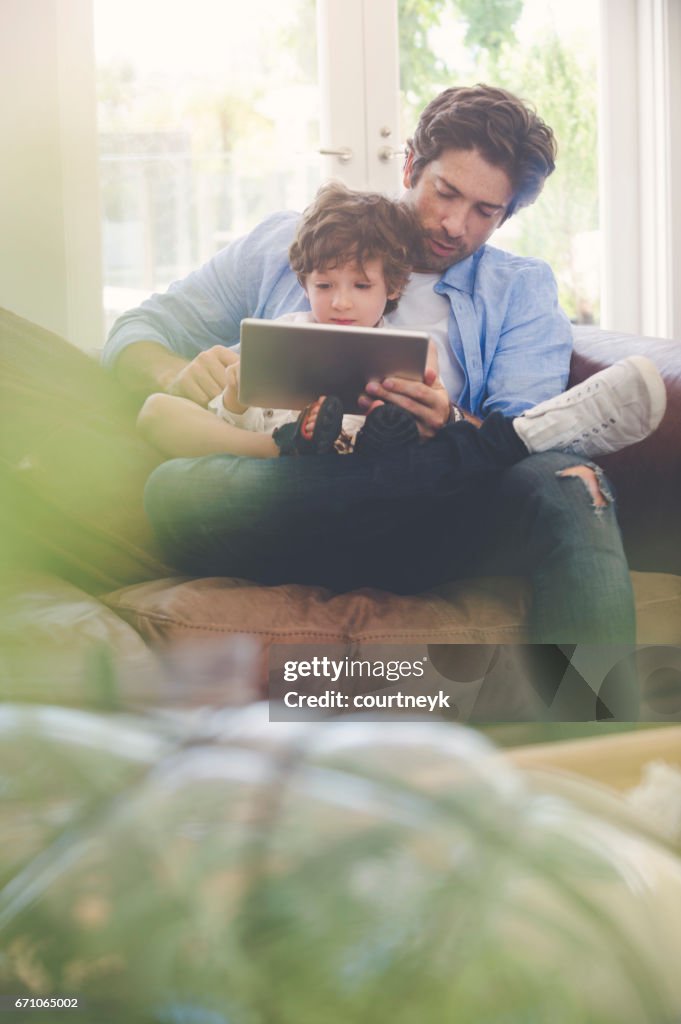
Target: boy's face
351, 294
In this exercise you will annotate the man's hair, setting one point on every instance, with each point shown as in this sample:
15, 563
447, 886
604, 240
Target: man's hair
504, 129
343, 226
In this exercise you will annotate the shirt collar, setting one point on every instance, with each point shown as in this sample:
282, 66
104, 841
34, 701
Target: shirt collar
462, 275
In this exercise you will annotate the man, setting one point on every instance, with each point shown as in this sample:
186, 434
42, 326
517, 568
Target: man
179, 339
478, 155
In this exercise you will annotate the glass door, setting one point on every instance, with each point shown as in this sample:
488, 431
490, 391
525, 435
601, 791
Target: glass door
208, 120
213, 115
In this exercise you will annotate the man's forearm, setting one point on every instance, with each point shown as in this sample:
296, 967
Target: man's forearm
147, 366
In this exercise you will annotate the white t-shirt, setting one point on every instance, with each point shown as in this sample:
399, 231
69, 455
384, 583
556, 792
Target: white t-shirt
422, 309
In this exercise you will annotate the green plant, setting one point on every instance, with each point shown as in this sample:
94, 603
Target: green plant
291, 874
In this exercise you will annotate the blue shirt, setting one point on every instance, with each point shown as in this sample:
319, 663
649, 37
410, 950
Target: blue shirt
506, 328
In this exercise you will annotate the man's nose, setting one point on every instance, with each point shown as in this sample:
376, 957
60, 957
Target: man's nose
454, 221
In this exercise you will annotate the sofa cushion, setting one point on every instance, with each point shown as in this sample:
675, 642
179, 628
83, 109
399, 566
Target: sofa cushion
474, 615
481, 611
59, 645
72, 468
646, 476
484, 611
365, 623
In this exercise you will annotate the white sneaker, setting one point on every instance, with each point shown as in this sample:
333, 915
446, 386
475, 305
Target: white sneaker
611, 410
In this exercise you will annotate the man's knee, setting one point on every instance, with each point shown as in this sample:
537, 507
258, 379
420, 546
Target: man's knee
593, 480
559, 482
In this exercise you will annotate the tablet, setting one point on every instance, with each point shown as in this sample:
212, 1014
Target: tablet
287, 366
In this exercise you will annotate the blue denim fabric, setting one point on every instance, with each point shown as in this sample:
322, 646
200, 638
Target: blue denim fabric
506, 328
580, 577
406, 522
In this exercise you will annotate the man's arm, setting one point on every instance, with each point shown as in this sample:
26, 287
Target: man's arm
528, 342
426, 400
178, 341
531, 361
147, 366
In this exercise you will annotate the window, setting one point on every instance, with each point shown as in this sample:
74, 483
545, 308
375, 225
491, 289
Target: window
212, 116
208, 120
160, 70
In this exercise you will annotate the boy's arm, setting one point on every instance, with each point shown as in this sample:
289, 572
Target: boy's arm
180, 428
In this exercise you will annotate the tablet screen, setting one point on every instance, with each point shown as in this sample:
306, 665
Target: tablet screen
287, 366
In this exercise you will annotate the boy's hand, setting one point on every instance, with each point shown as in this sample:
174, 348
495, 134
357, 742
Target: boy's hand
427, 401
230, 396
204, 377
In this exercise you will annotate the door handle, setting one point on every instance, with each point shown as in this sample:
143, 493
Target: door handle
344, 154
387, 153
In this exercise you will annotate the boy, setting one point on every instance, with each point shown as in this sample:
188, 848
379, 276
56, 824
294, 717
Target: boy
353, 254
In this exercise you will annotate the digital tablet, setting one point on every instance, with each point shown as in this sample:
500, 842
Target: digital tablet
287, 366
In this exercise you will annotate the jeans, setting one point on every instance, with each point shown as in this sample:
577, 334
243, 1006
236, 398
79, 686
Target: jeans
468, 503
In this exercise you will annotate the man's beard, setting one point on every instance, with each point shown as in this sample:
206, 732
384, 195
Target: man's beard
431, 261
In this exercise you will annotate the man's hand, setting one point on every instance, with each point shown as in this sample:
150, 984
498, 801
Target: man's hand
426, 400
204, 377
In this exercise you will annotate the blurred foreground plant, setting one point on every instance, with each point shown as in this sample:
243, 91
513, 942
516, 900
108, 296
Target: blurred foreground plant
233, 870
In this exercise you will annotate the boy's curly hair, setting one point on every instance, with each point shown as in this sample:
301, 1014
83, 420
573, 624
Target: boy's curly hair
341, 226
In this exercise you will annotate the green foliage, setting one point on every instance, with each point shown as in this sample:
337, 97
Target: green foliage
490, 23
344, 874
421, 73
298, 41
116, 88
560, 86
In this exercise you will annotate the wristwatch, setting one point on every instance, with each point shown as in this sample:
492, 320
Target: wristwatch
455, 414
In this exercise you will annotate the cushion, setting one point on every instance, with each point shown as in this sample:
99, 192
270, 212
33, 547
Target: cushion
474, 615
59, 645
646, 476
484, 611
480, 611
365, 623
71, 465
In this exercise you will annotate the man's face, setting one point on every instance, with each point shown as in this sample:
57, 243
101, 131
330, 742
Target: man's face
460, 200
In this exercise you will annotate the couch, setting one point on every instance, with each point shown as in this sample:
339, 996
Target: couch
84, 583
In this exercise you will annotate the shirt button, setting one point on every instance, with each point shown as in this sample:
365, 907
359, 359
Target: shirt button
269, 413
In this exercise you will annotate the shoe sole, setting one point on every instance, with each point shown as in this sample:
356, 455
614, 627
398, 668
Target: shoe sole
654, 386
378, 438
328, 425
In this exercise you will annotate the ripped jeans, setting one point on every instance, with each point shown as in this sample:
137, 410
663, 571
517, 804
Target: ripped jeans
468, 503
